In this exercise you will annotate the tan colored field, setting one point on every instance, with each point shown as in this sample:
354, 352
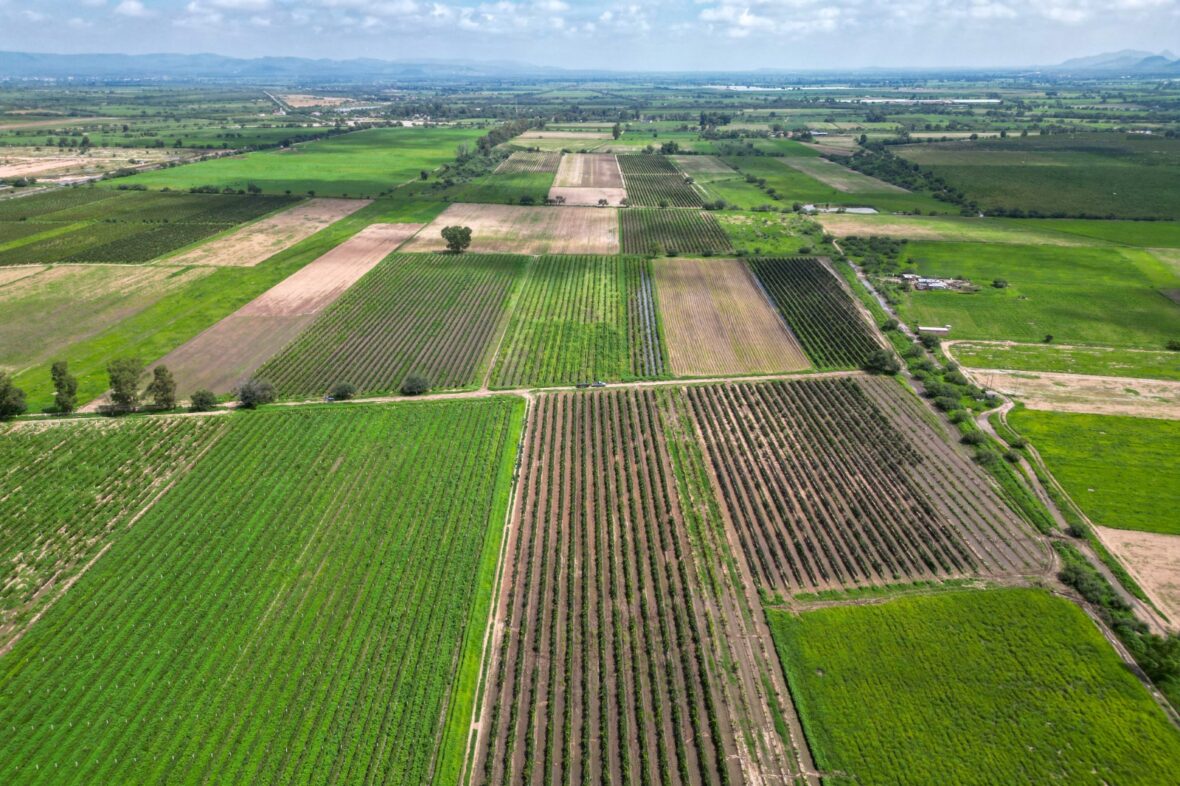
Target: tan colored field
1153, 559
47, 163
16, 273
63, 121
587, 196
589, 170
512, 229
231, 350
571, 135
702, 165
1056, 392
834, 145
263, 239
840, 178
953, 228
718, 322
303, 100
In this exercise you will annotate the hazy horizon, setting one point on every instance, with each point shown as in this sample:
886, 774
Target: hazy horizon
658, 35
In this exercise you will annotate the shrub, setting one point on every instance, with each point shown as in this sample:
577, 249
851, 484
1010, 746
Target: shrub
415, 385
1173, 345
343, 391
881, 361
202, 401
255, 392
12, 398
973, 438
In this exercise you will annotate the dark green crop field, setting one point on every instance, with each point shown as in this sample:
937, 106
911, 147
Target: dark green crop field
999, 686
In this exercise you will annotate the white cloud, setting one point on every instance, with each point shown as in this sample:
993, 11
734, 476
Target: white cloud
241, 5
132, 8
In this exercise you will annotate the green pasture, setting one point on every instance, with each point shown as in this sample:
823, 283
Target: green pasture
1097, 361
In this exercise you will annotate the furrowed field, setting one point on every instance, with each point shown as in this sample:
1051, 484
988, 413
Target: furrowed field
658, 232
430, 315
819, 311
578, 319
1002, 686
299, 608
655, 181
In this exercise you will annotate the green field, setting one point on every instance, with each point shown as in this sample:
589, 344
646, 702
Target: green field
1020, 231
364, 163
1098, 361
305, 606
1112, 465
998, 686
1110, 296
503, 188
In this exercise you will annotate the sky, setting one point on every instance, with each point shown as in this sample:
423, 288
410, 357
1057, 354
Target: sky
626, 35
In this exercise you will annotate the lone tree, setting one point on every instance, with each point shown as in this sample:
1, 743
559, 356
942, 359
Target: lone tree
458, 238
162, 388
203, 401
343, 391
65, 387
12, 398
415, 385
881, 361
254, 393
616, 131
124, 374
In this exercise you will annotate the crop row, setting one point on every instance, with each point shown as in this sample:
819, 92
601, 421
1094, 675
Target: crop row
659, 232
661, 191
529, 161
647, 351
818, 310
428, 315
292, 610
646, 164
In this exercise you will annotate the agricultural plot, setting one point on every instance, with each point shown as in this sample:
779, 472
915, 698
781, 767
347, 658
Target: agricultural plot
718, 322
510, 188
702, 166
263, 239
659, 232
1108, 296
67, 492
294, 610
999, 686
653, 181
1111, 465
607, 662
840, 482
838, 177
580, 319
1153, 560
529, 161
1097, 361
511, 229
435, 316
1096, 395
232, 350
587, 179
819, 311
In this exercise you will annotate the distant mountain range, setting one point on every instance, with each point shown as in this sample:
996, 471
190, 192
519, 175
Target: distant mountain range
1127, 61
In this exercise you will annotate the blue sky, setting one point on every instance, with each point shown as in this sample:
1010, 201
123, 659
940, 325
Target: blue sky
656, 34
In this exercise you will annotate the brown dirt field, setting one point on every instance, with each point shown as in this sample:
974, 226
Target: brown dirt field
838, 177
588, 196
1153, 559
302, 100
263, 239
702, 165
236, 346
572, 135
588, 170
1057, 392
48, 163
717, 321
513, 229
10, 274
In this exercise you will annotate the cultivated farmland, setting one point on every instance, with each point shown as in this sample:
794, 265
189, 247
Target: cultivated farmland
717, 321
529, 161
294, 610
607, 669
585, 179
1004, 686
654, 181
578, 319
513, 229
840, 482
658, 232
222, 356
820, 312
435, 316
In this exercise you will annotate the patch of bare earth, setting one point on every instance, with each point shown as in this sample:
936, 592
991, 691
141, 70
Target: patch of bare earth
716, 321
923, 228
1057, 392
583, 197
304, 100
1153, 559
263, 239
513, 229
838, 177
235, 347
9, 275
589, 170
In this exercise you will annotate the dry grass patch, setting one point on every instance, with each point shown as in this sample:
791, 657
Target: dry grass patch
512, 229
263, 239
717, 321
1153, 559
840, 178
589, 170
571, 135
1082, 393
236, 346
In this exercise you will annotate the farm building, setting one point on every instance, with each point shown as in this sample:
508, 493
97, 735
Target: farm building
933, 330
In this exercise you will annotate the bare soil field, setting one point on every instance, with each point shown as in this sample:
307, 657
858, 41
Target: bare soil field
589, 170
939, 228
235, 347
718, 322
263, 239
583, 197
1057, 392
838, 177
512, 229
17, 272
48, 163
304, 100
1153, 559
702, 165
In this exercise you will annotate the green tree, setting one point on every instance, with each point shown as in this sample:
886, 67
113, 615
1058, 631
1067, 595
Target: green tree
881, 361
415, 385
458, 238
616, 131
254, 393
12, 398
203, 401
343, 391
162, 388
124, 375
65, 387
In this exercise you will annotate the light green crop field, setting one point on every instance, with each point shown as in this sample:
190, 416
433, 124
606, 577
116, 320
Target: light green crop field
1110, 296
996, 686
364, 163
1020, 231
305, 606
1098, 361
503, 188
1115, 467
